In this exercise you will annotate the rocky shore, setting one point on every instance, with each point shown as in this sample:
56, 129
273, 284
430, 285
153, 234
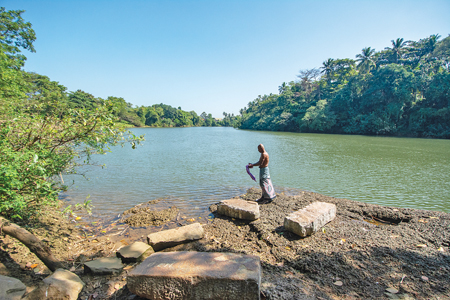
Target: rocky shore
367, 252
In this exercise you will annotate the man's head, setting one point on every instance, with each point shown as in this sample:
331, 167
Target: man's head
261, 148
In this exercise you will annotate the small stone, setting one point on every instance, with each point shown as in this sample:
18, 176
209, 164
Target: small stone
392, 290
424, 278
11, 288
391, 296
104, 266
62, 284
338, 283
173, 237
135, 252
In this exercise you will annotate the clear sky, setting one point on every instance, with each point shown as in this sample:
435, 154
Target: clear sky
210, 55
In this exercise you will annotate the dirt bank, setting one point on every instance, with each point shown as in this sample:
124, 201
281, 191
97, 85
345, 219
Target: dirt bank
365, 250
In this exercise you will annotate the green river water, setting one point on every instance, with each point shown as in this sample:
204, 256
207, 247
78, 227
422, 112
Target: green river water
195, 167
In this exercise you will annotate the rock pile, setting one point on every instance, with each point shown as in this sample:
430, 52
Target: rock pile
179, 275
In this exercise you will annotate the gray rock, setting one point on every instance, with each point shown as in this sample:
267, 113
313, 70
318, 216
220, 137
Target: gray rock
310, 219
238, 208
61, 285
135, 252
11, 288
197, 275
172, 237
104, 266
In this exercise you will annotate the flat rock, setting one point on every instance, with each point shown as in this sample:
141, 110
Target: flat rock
136, 252
62, 284
239, 209
11, 288
310, 219
392, 290
172, 237
104, 266
197, 275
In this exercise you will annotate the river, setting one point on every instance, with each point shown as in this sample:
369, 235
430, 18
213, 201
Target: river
195, 167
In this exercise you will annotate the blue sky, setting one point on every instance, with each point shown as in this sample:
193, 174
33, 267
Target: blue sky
210, 55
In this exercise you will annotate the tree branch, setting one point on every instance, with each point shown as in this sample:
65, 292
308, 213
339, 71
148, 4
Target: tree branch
35, 245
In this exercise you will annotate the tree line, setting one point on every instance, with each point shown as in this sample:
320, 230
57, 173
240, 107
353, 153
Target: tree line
402, 90
156, 115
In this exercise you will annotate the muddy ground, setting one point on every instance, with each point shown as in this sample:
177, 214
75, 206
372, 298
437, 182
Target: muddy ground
365, 250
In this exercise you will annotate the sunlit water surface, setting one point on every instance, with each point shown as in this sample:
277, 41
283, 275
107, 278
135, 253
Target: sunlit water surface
195, 167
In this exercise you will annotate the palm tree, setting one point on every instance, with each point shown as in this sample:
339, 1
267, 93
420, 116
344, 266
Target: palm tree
430, 43
328, 69
282, 88
397, 49
366, 59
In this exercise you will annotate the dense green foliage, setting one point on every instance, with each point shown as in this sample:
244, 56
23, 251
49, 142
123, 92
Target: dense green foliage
44, 131
162, 115
403, 90
157, 115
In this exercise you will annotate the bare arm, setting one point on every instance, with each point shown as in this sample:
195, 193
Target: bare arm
261, 161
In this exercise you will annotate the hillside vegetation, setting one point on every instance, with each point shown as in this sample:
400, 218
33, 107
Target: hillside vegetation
403, 90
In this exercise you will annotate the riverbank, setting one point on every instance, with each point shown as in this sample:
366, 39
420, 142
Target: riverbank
365, 250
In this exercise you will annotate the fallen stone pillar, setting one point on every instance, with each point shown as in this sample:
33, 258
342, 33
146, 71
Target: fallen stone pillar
310, 219
197, 275
172, 237
239, 209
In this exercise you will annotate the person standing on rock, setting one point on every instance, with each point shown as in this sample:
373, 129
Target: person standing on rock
268, 193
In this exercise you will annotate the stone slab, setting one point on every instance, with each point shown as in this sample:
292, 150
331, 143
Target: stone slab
197, 275
104, 266
310, 219
172, 237
239, 209
61, 285
136, 252
11, 288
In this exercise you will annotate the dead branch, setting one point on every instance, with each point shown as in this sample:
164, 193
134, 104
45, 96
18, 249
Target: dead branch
42, 251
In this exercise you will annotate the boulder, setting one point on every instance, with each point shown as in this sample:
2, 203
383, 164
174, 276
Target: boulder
11, 288
61, 285
239, 209
310, 219
172, 237
104, 266
197, 275
135, 252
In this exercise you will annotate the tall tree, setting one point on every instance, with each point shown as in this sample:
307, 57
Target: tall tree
397, 49
307, 79
15, 34
327, 69
366, 59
